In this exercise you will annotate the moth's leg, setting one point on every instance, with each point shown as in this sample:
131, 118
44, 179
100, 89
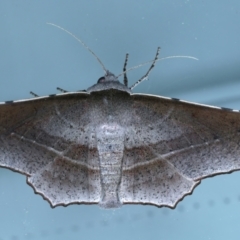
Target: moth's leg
125, 79
65, 91
34, 94
61, 90
148, 72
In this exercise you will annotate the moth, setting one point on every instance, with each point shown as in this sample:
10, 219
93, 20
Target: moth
109, 146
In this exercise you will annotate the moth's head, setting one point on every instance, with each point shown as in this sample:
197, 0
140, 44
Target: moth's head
107, 82
108, 77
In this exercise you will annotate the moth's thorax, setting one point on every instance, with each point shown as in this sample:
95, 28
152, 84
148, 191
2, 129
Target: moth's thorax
110, 146
108, 82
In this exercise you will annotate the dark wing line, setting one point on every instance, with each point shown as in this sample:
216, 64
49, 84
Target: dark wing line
57, 153
174, 152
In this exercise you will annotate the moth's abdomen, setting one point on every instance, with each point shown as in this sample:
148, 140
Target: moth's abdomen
110, 145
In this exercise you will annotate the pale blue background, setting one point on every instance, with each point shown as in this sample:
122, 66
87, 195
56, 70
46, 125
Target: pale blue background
35, 56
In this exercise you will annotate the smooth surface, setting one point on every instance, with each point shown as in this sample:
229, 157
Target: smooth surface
37, 57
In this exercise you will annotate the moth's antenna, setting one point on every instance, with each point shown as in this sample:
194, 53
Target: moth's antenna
79, 40
145, 63
151, 67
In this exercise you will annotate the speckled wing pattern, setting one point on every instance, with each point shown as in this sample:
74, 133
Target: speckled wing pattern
112, 148
47, 140
179, 144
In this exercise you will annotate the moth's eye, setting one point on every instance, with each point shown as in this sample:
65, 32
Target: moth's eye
101, 79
